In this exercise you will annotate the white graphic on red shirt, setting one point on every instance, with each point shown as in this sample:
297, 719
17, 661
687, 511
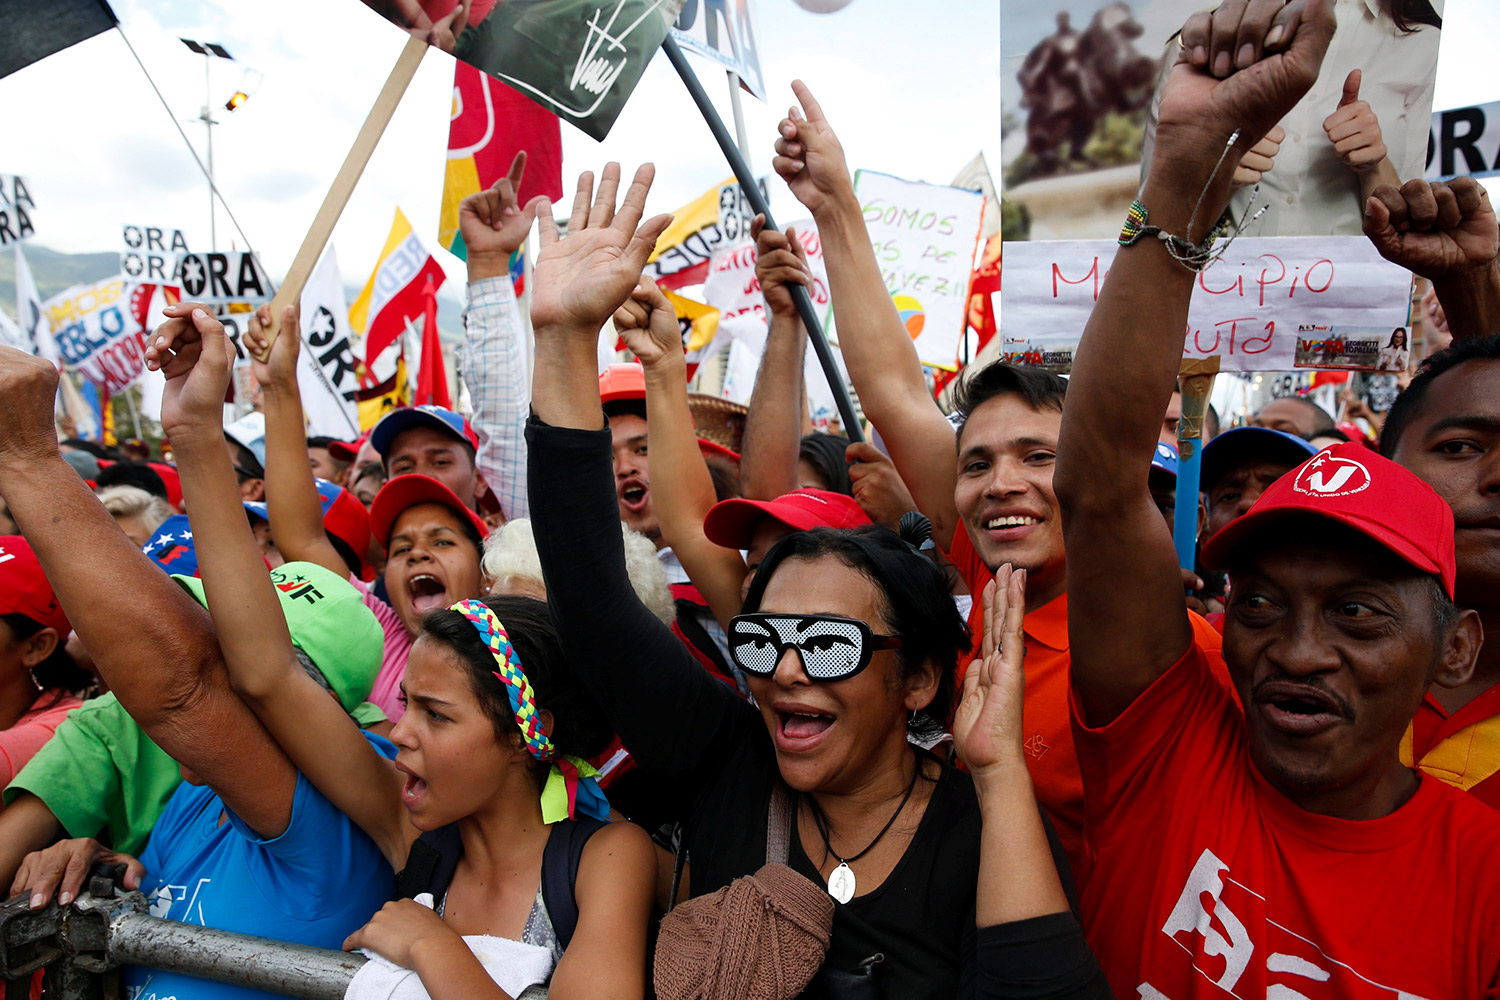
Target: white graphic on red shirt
1204, 923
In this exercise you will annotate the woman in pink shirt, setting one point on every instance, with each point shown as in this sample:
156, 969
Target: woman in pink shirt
39, 682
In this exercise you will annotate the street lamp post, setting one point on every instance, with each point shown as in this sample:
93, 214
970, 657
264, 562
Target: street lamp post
209, 50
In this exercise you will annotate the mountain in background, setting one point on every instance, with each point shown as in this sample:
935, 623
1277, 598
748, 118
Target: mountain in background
55, 272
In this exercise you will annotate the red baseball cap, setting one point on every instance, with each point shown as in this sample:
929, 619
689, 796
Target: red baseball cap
622, 381
346, 451
1350, 484
714, 448
344, 517
732, 523
24, 589
408, 491
172, 481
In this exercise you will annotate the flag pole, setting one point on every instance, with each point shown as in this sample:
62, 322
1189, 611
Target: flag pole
758, 203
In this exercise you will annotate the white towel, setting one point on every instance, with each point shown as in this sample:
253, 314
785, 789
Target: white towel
513, 965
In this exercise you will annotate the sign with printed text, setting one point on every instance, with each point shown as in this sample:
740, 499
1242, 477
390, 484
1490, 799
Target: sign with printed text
98, 333
699, 229
1352, 348
1246, 310
151, 253
924, 237
733, 288
1464, 141
224, 277
17, 210
722, 31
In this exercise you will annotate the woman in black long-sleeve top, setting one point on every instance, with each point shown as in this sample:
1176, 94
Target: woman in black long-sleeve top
893, 830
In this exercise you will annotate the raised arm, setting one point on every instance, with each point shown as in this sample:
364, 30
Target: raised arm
684, 489
493, 226
1124, 634
309, 725
1444, 232
151, 642
632, 662
291, 495
882, 361
778, 404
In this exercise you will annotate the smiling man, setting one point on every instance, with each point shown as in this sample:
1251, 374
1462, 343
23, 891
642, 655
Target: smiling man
1280, 848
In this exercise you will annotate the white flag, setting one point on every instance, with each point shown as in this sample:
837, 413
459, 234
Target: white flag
11, 335
976, 177
327, 399
33, 319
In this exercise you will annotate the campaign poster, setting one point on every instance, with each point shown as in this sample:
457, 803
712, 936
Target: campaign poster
98, 333
1080, 85
1379, 349
579, 59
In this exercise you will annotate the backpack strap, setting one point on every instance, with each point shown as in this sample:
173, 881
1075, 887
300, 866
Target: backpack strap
430, 864
560, 873
779, 823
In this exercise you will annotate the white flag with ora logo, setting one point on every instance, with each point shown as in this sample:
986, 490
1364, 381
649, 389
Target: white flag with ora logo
327, 401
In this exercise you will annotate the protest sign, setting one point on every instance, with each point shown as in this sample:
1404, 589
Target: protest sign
1464, 141
1081, 88
223, 277
490, 123
97, 332
732, 287
151, 253
698, 229
1246, 309
924, 237
722, 31
579, 59
17, 210
1320, 345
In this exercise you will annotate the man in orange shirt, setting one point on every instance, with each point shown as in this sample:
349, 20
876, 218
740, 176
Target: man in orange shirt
1446, 428
1279, 849
995, 504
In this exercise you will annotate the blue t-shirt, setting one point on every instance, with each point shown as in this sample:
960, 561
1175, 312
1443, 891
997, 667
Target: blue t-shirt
322, 879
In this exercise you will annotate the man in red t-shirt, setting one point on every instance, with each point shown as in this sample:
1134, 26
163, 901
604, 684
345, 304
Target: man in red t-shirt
1282, 849
1446, 428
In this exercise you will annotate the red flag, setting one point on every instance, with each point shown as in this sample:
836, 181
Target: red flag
432, 380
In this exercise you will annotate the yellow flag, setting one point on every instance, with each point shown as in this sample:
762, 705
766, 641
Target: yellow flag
699, 322
379, 400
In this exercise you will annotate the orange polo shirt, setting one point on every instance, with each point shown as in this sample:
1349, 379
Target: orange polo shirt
1462, 749
1047, 718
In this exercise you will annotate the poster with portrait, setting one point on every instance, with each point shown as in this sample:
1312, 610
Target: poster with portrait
1382, 349
579, 59
1080, 84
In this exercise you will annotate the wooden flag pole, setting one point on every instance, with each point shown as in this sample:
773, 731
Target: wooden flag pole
343, 184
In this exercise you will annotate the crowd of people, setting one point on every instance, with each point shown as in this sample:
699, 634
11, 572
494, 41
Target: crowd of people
561, 698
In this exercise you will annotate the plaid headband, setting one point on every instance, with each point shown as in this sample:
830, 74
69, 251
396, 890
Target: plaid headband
570, 784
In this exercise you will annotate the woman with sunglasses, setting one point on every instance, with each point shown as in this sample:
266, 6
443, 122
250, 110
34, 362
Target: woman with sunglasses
850, 641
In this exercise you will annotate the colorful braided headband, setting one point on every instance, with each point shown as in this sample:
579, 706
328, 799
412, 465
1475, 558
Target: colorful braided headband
570, 785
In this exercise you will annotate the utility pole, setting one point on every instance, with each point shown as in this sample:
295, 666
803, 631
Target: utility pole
209, 50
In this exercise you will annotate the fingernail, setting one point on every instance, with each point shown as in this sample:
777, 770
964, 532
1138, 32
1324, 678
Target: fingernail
161, 341
64, 898
1200, 55
37, 899
1246, 56
199, 314
798, 164
1275, 34
1221, 64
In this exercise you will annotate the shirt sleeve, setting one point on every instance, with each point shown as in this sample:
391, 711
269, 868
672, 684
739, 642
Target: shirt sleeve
385, 693
20, 742
1041, 957
493, 366
668, 711
318, 847
74, 773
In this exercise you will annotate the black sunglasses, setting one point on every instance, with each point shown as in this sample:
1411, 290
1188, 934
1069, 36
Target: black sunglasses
831, 648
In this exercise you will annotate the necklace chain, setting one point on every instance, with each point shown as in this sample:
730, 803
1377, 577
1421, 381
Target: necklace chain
821, 821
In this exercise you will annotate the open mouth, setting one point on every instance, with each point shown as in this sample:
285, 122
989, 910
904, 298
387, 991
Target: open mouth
427, 592
633, 497
1298, 710
800, 730
414, 790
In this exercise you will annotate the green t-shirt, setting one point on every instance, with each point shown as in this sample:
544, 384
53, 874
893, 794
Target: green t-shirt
103, 777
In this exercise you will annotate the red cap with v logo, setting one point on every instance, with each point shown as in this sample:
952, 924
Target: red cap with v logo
1353, 485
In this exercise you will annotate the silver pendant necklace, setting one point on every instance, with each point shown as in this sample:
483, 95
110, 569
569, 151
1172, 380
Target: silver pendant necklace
841, 881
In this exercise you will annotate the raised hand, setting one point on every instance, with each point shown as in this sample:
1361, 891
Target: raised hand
194, 354
1242, 66
580, 279
808, 155
1436, 230
648, 325
1259, 158
878, 487
779, 261
280, 366
987, 726
445, 31
1354, 130
493, 225
28, 389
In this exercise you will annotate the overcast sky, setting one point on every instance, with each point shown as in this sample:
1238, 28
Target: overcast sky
913, 89
914, 95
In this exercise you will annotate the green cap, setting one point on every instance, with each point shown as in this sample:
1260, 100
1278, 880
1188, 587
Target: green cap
329, 622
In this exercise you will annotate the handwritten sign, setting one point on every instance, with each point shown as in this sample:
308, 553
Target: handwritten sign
97, 332
732, 287
17, 210
1246, 309
924, 237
